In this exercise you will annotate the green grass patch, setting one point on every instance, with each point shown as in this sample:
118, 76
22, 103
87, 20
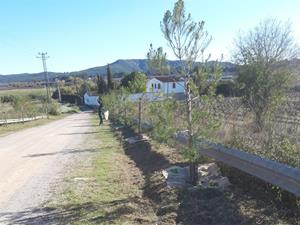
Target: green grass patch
103, 188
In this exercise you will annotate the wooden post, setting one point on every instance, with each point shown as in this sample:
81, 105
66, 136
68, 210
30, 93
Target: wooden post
125, 114
140, 115
5, 119
22, 114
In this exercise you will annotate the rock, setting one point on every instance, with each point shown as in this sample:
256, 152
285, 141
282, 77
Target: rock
211, 177
176, 176
223, 183
83, 178
135, 139
210, 169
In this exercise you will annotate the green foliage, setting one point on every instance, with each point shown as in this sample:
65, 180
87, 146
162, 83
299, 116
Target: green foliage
188, 40
162, 119
77, 84
191, 154
135, 82
67, 90
7, 98
110, 84
20, 103
110, 102
119, 105
205, 79
87, 86
227, 89
157, 62
54, 108
101, 85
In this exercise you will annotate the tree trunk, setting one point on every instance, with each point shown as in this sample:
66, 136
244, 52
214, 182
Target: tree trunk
140, 116
125, 115
193, 164
259, 122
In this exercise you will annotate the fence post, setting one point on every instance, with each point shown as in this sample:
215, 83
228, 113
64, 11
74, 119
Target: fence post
140, 115
125, 114
22, 114
5, 118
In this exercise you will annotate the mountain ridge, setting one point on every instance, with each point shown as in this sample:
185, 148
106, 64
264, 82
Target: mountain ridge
118, 68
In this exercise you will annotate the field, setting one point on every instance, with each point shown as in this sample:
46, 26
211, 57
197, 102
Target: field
18, 103
24, 92
28, 103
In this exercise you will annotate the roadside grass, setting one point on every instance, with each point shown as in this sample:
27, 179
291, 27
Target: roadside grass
11, 128
103, 188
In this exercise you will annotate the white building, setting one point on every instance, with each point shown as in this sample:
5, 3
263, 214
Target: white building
90, 100
165, 84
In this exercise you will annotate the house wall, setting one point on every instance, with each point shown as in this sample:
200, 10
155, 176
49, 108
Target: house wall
90, 100
169, 89
152, 85
166, 87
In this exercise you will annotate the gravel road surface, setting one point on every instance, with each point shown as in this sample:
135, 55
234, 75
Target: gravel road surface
33, 160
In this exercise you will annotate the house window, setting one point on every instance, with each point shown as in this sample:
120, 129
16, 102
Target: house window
158, 86
152, 86
174, 85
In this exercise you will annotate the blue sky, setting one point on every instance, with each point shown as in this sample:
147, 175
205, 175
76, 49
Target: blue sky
78, 34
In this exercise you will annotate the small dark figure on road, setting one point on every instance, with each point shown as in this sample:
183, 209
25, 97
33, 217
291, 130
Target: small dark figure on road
100, 111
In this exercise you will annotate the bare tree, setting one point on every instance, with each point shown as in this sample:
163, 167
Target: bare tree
263, 78
269, 42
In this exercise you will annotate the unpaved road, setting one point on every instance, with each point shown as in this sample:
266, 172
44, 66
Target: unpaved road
32, 160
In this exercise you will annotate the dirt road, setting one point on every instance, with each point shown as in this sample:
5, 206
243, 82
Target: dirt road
31, 161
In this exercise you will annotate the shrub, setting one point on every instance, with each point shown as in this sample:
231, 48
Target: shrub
227, 89
54, 108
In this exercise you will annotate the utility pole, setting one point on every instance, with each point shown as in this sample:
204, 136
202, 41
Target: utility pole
59, 94
44, 57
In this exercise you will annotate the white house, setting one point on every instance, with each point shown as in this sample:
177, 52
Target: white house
165, 84
90, 100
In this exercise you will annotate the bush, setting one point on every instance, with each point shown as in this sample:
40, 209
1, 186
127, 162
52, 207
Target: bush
227, 89
54, 108
7, 98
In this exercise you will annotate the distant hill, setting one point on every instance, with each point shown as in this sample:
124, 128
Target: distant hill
118, 68
27, 77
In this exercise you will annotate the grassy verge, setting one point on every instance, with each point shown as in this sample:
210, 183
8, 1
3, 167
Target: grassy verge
5, 130
104, 188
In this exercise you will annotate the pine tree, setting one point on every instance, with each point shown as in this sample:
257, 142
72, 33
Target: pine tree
101, 85
110, 84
